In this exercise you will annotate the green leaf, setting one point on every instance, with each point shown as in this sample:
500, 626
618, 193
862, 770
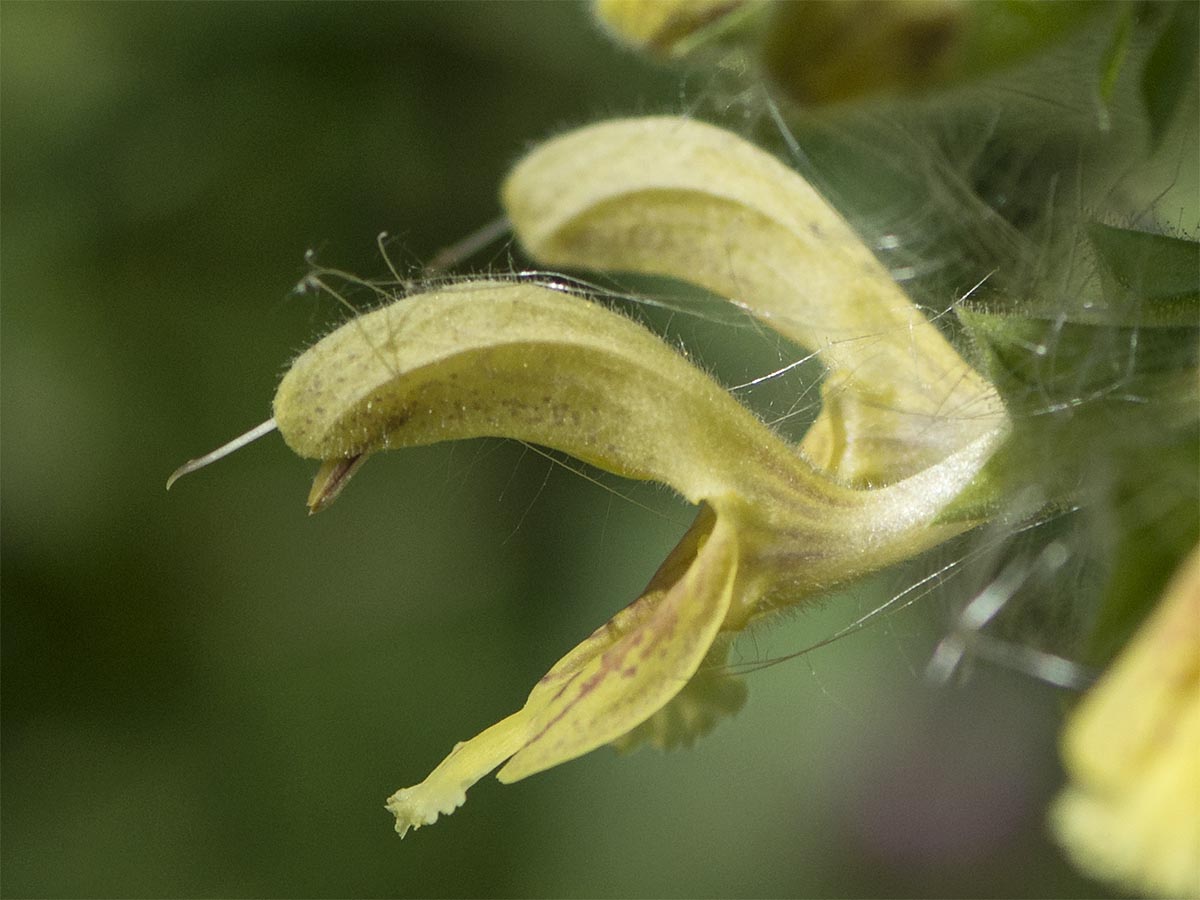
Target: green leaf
1041, 365
1156, 521
1171, 67
1154, 277
1113, 58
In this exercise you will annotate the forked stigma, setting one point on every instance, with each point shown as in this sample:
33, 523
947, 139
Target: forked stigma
224, 450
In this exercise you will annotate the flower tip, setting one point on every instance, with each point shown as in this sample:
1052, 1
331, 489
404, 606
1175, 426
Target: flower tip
415, 806
330, 479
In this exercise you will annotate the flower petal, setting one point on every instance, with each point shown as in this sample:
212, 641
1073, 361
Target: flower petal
1132, 810
643, 657
710, 695
618, 677
508, 359
677, 197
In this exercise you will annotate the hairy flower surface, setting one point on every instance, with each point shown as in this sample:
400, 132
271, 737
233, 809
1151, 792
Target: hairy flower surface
904, 427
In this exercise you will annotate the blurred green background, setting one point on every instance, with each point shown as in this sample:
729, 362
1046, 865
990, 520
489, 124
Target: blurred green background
208, 693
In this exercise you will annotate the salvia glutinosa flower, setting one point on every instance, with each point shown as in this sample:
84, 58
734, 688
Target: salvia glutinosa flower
905, 423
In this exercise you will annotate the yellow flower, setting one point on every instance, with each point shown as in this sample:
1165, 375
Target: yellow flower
905, 425
1131, 812
777, 523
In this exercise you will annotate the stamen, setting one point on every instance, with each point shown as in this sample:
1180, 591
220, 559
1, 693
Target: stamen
224, 450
